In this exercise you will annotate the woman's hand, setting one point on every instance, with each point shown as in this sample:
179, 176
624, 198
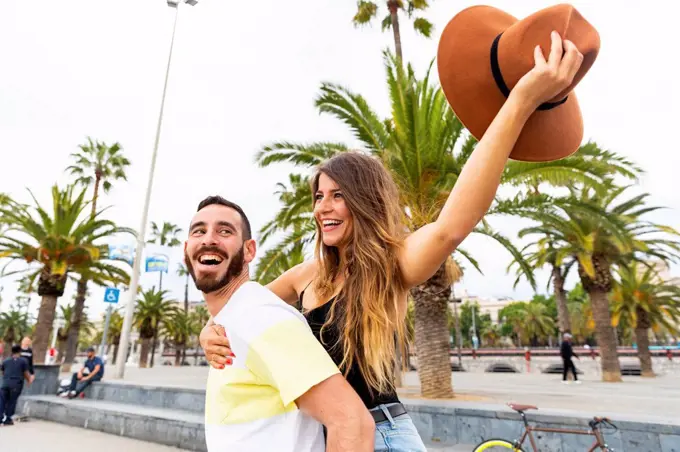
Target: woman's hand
215, 345
549, 78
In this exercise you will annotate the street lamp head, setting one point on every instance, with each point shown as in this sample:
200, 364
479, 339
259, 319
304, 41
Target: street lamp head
191, 2
173, 3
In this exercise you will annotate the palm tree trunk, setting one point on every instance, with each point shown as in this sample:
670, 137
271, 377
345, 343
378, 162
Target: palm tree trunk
76, 320
606, 339
642, 339
144, 352
598, 289
432, 336
398, 366
115, 352
186, 295
393, 7
153, 345
95, 195
43, 327
61, 351
178, 356
561, 299
184, 353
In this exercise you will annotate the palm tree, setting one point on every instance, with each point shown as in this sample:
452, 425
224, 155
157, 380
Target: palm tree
62, 333
14, 324
642, 301
179, 329
199, 317
57, 241
368, 10
152, 311
295, 214
424, 146
103, 274
96, 165
604, 165
601, 233
537, 323
182, 271
166, 235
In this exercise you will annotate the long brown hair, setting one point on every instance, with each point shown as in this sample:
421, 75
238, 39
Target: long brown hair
366, 310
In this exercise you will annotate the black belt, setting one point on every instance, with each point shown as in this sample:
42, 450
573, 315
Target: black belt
394, 410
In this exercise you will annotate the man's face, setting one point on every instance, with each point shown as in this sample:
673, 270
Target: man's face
215, 252
90, 355
26, 343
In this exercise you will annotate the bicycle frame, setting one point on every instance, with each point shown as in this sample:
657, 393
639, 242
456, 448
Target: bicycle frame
597, 444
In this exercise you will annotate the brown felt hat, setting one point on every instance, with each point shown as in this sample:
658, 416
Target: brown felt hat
483, 52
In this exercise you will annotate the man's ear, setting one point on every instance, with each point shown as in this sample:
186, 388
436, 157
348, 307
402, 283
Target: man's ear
249, 250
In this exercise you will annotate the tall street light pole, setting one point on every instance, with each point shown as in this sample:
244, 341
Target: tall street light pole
121, 358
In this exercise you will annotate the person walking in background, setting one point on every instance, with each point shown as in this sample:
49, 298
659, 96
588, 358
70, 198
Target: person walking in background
27, 354
566, 351
14, 372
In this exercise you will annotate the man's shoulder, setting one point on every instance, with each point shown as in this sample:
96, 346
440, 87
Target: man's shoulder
253, 296
255, 309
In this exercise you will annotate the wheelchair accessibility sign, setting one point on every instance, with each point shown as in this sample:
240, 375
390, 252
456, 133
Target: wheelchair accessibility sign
111, 295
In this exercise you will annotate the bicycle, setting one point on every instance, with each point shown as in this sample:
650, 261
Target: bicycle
516, 446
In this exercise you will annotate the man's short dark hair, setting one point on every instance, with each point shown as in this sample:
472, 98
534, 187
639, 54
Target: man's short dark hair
16, 349
91, 349
212, 200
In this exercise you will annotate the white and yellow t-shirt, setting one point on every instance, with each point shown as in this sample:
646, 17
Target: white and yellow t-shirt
250, 405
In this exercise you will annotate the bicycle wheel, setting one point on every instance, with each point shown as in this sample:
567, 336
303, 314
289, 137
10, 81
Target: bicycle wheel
495, 444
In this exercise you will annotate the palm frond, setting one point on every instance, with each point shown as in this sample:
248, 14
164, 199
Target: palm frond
298, 154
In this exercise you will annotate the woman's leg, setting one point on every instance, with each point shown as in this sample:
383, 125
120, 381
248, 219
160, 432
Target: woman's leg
397, 434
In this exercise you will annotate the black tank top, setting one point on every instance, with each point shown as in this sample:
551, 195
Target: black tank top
316, 319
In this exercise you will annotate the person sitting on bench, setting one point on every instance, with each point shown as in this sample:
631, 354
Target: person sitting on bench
93, 370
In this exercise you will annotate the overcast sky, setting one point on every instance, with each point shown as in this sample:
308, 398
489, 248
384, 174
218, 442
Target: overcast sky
246, 73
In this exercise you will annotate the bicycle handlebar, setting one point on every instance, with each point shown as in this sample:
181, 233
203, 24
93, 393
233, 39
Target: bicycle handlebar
602, 420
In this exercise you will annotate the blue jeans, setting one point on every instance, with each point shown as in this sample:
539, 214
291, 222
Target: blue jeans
397, 434
8, 402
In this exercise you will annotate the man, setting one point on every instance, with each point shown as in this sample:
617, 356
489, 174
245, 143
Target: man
566, 351
14, 372
81, 380
27, 354
282, 387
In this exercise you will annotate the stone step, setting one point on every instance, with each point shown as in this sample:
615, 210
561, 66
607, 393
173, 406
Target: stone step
176, 428
171, 427
167, 397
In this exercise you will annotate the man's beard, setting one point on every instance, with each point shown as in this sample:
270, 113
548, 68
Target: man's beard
208, 285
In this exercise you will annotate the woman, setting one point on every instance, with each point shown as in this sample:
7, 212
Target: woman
354, 292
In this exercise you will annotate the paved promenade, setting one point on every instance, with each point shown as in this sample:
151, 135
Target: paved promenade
657, 398
41, 436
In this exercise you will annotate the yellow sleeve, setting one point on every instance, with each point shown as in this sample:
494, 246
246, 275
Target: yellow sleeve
289, 357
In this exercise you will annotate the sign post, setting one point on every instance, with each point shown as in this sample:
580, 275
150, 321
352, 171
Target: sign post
111, 295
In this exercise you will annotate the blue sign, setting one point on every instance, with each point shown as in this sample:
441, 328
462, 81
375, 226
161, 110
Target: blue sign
122, 252
111, 295
157, 263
